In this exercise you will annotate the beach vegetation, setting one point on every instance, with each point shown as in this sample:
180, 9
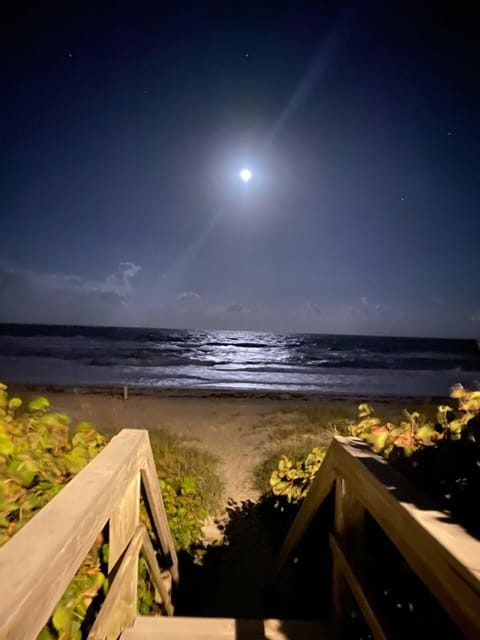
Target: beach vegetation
294, 450
41, 451
292, 478
177, 460
414, 431
399, 441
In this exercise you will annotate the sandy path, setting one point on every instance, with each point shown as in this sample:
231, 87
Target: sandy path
237, 431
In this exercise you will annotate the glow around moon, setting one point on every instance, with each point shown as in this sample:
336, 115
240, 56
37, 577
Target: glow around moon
246, 175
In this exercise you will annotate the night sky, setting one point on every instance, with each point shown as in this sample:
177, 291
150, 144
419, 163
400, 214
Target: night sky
124, 126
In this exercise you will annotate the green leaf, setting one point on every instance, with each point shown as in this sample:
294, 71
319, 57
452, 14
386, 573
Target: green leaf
377, 439
6, 445
425, 434
84, 427
23, 471
15, 403
39, 404
62, 619
189, 485
456, 426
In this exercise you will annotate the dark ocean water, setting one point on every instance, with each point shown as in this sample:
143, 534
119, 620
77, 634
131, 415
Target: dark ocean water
235, 360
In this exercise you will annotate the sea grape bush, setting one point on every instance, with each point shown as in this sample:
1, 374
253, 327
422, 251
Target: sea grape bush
411, 434
414, 432
37, 457
39, 453
293, 479
184, 510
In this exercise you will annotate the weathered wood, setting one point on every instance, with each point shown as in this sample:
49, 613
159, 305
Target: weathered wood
122, 526
440, 552
157, 510
39, 562
182, 628
117, 613
124, 521
321, 487
349, 517
155, 574
444, 556
356, 588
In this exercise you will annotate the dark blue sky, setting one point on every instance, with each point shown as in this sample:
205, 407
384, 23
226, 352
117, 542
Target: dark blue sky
123, 127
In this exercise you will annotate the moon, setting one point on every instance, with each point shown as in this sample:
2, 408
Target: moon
246, 174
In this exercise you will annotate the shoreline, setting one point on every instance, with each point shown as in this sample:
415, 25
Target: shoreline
220, 393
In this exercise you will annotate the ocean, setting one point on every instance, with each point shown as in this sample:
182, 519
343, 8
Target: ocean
235, 361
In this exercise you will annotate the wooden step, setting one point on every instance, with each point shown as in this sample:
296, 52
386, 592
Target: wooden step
174, 628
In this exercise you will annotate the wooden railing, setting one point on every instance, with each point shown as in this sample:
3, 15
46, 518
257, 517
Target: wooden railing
442, 554
40, 561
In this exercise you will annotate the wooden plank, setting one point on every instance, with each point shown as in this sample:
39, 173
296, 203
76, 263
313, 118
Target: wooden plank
116, 613
124, 521
122, 526
182, 628
40, 561
372, 617
349, 519
441, 553
157, 510
321, 487
157, 579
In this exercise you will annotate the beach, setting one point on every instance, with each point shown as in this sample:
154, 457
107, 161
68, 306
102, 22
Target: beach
241, 429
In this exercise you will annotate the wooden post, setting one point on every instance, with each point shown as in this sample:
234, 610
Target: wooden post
123, 524
125, 392
348, 524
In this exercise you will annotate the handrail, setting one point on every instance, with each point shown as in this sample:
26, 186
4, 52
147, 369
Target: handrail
112, 606
443, 555
39, 562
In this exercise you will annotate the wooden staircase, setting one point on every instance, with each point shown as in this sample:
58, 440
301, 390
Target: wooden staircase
151, 628
40, 561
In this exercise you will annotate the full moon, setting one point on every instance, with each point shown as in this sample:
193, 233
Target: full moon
246, 175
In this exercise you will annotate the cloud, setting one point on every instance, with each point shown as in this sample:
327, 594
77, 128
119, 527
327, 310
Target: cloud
236, 307
121, 279
44, 297
188, 296
118, 299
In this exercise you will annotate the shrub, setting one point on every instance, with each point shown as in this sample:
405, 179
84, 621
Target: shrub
37, 459
414, 432
38, 456
293, 479
184, 509
176, 461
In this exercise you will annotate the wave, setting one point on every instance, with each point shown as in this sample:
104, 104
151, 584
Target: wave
160, 357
